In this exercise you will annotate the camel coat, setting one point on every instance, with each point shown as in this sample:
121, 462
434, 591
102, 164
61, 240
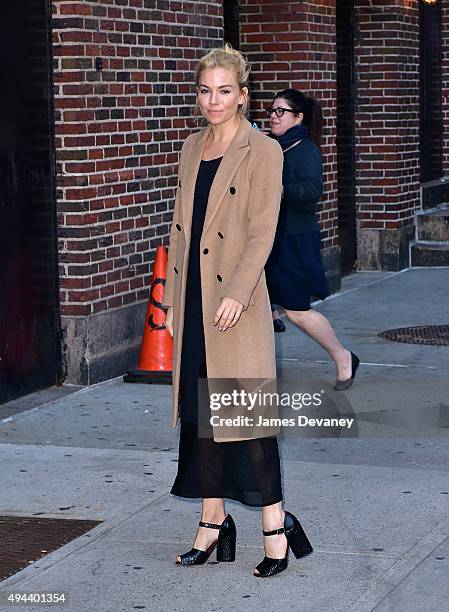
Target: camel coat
237, 238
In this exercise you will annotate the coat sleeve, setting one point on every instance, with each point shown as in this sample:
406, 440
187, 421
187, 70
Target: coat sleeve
304, 193
169, 289
263, 212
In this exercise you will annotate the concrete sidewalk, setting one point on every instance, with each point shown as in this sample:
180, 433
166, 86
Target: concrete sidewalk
375, 507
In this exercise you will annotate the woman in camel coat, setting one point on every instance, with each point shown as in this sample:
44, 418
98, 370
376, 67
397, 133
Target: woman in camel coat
237, 237
218, 310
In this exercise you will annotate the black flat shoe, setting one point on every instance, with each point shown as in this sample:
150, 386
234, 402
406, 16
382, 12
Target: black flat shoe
296, 540
278, 325
342, 385
225, 544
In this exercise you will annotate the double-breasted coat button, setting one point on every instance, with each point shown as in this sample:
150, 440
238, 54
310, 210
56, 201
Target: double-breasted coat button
178, 227
221, 235
176, 270
219, 278
232, 190
206, 251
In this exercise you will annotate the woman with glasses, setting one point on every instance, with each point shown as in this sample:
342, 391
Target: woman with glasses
294, 269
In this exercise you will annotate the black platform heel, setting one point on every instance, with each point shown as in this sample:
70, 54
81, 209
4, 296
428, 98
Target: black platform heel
296, 540
225, 544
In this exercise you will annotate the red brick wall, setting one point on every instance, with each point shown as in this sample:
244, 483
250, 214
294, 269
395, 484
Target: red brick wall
118, 134
292, 44
387, 113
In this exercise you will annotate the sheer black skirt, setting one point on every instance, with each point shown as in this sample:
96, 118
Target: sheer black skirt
246, 471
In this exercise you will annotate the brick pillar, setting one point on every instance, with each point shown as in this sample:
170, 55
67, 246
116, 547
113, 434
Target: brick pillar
387, 131
292, 44
124, 93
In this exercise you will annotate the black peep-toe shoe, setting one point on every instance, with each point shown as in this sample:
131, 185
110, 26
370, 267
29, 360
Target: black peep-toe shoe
296, 540
225, 544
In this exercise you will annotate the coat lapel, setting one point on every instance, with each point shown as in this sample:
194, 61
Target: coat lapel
232, 159
189, 179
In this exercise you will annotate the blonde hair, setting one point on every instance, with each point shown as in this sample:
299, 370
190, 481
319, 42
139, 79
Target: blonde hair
231, 59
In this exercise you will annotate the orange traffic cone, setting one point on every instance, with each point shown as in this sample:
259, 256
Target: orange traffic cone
155, 360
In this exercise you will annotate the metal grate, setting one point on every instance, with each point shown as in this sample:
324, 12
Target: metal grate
434, 335
26, 539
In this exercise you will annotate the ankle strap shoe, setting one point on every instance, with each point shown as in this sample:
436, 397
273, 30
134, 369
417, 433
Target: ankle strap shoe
296, 540
225, 544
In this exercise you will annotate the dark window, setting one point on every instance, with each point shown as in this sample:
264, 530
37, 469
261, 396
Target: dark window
29, 318
345, 135
431, 117
231, 22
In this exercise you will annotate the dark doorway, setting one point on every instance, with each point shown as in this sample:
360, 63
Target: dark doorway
231, 27
29, 321
431, 115
345, 136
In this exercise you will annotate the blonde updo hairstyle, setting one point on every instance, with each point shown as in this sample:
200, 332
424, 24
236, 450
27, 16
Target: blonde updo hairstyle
231, 59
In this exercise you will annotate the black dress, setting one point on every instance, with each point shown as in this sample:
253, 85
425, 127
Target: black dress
246, 471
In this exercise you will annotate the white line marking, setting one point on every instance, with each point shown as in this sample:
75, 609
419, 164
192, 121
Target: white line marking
368, 363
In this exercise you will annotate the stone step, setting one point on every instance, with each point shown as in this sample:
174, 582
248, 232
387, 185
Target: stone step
427, 254
433, 224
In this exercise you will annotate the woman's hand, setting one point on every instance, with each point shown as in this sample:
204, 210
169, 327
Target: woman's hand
228, 313
169, 320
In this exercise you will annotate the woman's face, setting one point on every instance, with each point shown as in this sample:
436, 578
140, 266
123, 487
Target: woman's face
279, 125
219, 95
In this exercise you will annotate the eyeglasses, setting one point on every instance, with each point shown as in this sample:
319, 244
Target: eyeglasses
279, 111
